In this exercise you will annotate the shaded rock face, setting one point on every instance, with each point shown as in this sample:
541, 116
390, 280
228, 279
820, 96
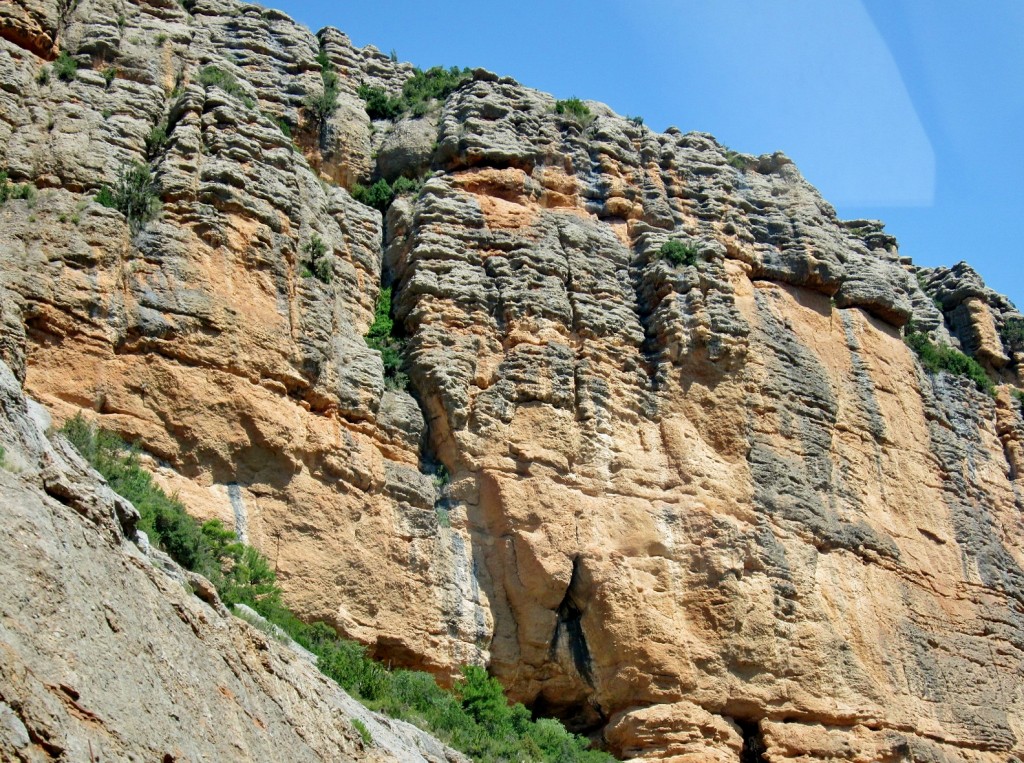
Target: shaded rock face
696, 510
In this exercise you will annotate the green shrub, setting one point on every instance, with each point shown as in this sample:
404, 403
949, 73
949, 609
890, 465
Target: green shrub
679, 253
319, 264
1013, 332
214, 76
156, 139
282, 125
9, 190
434, 84
65, 67
638, 121
135, 195
575, 109
379, 195
419, 92
736, 160
441, 477
404, 185
364, 732
381, 337
380, 105
43, 77
109, 74
935, 358
319, 107
162, 517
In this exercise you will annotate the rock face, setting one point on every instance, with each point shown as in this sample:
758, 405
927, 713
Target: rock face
699, 511
107, 655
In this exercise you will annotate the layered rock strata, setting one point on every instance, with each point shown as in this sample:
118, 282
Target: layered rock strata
694, 510
105, 653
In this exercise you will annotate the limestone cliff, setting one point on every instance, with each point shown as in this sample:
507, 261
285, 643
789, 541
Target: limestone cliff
693, 509
105, 654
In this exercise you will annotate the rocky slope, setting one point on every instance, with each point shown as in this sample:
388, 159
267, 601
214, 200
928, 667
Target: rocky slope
105, 653
693, 510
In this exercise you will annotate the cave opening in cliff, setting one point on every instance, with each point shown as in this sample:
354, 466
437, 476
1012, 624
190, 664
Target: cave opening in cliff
569, 628
753, 742
580, 717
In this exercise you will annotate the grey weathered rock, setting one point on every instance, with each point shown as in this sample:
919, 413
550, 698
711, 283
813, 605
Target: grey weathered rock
720, 502
108, 655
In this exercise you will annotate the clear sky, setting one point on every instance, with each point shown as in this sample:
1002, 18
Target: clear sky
909, 111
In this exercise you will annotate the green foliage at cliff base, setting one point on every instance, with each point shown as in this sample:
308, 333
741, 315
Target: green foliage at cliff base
474, 717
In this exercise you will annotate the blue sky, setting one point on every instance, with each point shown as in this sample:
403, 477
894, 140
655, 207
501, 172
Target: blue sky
909, 111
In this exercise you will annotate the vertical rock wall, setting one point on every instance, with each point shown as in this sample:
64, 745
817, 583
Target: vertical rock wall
693, 509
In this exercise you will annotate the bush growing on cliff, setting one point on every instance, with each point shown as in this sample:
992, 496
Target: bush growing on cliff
380, 105
1013, 332
474, 718
318, 263
320, 106
735, 160
418, 92
156, 139
162, 517
135, 195
575, 109
214, 76
240, 573
936, 357
379, 195
65, 67
381, 337
679, 253
9, 190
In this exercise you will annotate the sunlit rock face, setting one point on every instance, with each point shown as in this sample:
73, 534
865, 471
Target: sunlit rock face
697, 510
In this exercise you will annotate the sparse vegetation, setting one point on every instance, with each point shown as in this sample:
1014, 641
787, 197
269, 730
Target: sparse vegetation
282, 124
1013, 332
475, 717
381, 338
318, 263
214, 76
736, 160
320, 107
679, 253
156, 140
135, 195
65, 67
364, 732
638, 121
418, 92
440, 477
574, 109
937, 357
9, 190
43, 77
162, 517
109, 74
